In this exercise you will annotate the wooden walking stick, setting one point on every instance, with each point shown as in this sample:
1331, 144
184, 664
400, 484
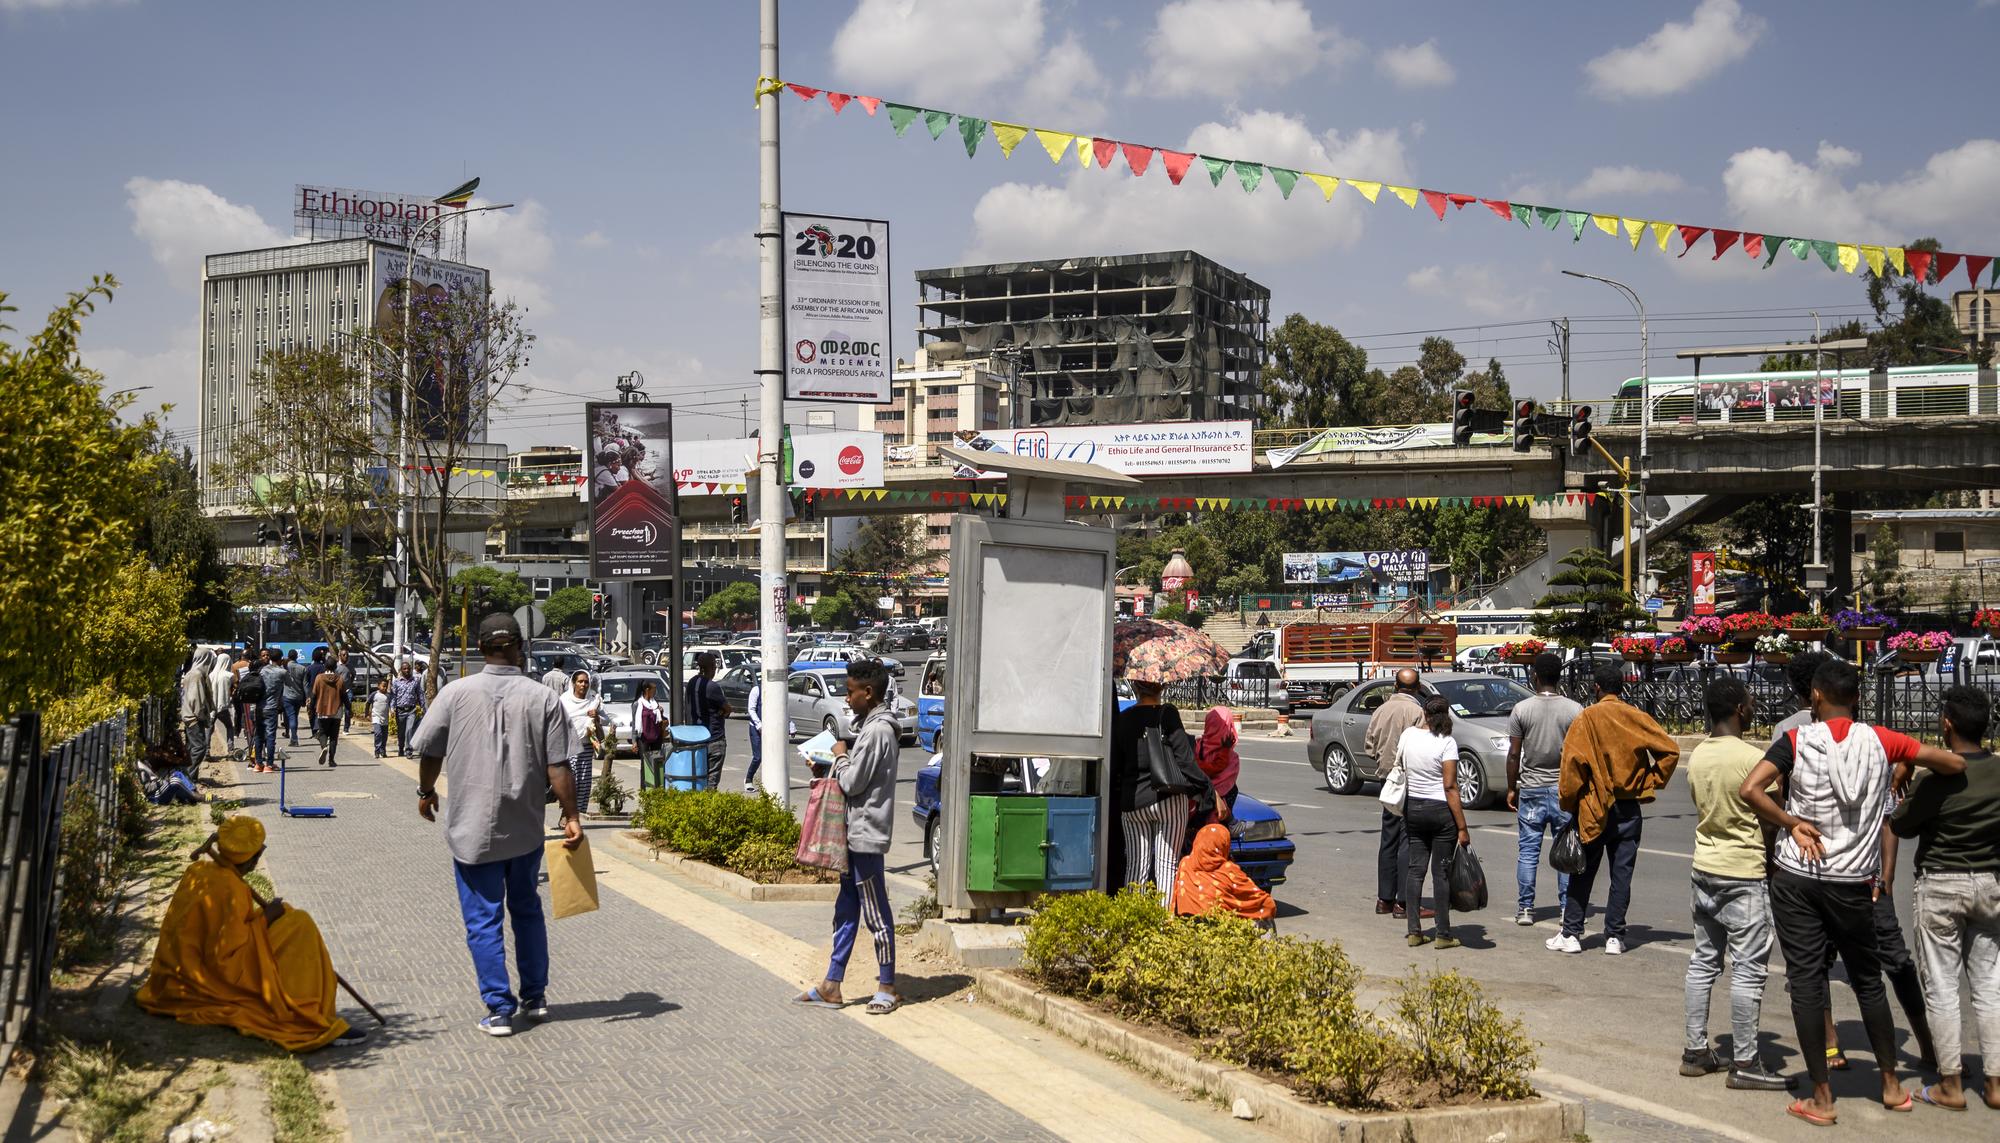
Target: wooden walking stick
342, 981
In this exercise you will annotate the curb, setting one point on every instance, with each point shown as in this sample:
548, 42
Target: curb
1274, 1104
734, 884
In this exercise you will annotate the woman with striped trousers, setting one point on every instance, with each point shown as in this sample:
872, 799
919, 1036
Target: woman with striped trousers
1154, 817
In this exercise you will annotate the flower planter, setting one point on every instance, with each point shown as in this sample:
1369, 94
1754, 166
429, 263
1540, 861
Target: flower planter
1637, 656
1866, 634
1918, 655
1522, 660
1732, 658
1676, 656
1809, 634
1705, 639
1779, 659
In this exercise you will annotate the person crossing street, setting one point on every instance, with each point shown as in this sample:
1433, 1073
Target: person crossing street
1535, 731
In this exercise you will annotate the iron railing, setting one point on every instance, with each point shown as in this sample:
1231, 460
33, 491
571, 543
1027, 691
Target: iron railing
33, 794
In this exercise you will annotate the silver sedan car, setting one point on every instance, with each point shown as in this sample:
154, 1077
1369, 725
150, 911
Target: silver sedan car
1480, 705
816, 700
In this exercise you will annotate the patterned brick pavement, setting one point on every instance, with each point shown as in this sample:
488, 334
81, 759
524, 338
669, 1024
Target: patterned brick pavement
655, 1032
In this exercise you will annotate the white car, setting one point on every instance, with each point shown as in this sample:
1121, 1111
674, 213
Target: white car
816, 700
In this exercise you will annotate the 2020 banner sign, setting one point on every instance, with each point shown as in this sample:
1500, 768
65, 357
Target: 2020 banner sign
837, 309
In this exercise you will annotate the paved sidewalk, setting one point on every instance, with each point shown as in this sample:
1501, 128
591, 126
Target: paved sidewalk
670, 1013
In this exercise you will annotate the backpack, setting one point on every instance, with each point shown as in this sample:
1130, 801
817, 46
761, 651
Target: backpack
250, 688
649, 726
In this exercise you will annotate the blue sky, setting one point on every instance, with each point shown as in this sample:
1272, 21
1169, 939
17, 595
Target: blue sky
142, 134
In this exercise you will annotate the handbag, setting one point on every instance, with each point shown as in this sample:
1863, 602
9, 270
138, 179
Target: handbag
1161, 765
1468, 880
823, 830
1395, 788
1566, 855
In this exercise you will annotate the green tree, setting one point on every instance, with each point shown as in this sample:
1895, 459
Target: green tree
1490, 389
567, 607
1585, 603
1882, 579
177, 533
72, 506
837, 608
1923, 330
735, 605
492, 590
1314, 377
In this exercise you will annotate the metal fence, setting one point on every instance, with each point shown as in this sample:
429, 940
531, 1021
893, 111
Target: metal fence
33, 793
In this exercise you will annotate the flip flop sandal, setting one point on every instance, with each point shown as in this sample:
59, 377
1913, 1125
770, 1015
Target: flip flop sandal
1836, 1060
812, 998
1908, 1104
1924, 1093
1800, 1109
883, 1003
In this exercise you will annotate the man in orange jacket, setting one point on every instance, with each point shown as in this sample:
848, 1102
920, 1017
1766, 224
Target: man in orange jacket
1614, 758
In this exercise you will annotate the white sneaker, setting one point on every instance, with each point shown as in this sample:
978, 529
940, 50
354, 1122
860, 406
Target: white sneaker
1614, 947
749, 787
1562, 944
1525, 917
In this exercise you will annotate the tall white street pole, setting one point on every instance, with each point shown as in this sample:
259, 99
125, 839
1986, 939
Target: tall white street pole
401, 630
1819, 419
770, 524
1645, 421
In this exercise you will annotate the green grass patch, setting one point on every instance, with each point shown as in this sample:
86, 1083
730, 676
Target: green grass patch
298, 1110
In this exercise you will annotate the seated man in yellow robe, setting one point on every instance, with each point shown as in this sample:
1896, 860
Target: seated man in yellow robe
226, 957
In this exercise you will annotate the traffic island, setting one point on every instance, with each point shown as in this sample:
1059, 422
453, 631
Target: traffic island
1170, 1060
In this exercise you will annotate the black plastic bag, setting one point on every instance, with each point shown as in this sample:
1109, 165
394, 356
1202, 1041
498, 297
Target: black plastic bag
1566, 855
1468, 881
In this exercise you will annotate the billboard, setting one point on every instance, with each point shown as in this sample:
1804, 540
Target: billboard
634, 517
1378, 438
1136, 450
1701, 581
1410, 565
837, 459
836, 309
320, 212
437, 281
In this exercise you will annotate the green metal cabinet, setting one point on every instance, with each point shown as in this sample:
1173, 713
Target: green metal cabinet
1006, 843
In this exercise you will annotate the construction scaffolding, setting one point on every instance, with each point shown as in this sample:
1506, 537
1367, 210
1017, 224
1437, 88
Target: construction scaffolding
1108, 340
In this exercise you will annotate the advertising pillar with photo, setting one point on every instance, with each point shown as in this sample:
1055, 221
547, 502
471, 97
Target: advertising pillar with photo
634, 508
1701, 580
837, 309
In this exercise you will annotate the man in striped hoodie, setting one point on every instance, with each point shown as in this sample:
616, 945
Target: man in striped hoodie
1839, 774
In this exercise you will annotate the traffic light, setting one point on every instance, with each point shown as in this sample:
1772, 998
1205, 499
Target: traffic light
264, 536
1524, 426
1461, 417
292, 536
1579, 431
597, 605
737, 515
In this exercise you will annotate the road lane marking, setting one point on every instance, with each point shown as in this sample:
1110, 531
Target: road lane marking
1642, 849
1588, 1090
1296, 805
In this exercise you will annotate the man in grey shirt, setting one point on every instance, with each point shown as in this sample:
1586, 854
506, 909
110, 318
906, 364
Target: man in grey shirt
503, 743
866, 772
1535, 732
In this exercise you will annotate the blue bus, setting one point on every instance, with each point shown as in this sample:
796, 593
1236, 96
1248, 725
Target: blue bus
287, 627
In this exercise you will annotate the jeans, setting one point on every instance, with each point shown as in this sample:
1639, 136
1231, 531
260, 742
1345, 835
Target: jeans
1813, 916
1621, 840
1433, 834
291, 708
196, 732
487, 891
1541, 812
864, 896
1391, 858
1733, 914
381, 740
406, 729
718, 751
266, 748
1957, 917
328, 729
756, 755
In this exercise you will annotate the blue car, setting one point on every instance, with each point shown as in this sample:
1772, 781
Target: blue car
1257, 835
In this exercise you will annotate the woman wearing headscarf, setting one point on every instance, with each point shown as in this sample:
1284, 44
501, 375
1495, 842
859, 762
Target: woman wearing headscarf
649, 733
227, 958
1216, 754
1210, 882
221, 686
585, 710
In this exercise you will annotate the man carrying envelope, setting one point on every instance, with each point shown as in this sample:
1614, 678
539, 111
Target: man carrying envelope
503, 742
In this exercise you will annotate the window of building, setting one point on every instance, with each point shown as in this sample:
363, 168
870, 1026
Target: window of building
1860, 541
940, 437
1953, 542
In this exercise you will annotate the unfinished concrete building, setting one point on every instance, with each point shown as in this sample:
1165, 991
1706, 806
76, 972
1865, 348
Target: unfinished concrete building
1107, 340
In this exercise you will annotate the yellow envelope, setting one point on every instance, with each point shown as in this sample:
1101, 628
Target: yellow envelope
572, 878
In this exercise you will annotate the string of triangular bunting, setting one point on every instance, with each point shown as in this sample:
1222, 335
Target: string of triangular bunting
1220, 503
1093, 151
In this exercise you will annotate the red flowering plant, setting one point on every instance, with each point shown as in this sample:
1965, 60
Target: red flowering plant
1745, 627
1989, 619
1522, 648
1672, 645
1635, 645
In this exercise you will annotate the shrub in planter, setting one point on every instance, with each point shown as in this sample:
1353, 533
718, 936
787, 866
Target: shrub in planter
762, 859
708, 825
1458, 1040
1075, 934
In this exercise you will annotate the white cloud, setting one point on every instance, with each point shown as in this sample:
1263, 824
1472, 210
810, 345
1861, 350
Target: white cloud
595, 240
171, 376
1066, 82
1678, 55
1478, 287
183, 222
937, 50
1416, 65
1221, 47
1773, 191
517, 247
1110, 212
1626, 180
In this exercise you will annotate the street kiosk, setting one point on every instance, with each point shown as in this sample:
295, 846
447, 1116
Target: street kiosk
1026, 765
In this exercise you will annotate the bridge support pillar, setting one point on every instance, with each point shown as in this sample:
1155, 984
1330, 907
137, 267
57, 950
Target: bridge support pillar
1568, 526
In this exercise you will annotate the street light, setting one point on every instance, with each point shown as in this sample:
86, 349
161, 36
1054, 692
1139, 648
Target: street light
1645, 416
403, 465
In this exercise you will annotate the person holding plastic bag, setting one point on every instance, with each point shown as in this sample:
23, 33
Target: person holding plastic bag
1433, 817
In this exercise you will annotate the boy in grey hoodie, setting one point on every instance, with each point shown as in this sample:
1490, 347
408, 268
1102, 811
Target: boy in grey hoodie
867, 775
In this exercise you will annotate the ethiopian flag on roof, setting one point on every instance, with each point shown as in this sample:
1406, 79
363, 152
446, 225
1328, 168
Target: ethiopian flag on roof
460, 196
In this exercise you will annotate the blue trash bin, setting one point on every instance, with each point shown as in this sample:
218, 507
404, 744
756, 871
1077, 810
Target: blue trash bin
687, 764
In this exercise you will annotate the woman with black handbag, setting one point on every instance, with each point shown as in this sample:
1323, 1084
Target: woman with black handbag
1152, 757
1433, 815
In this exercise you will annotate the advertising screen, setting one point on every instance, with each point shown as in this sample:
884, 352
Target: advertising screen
634, 517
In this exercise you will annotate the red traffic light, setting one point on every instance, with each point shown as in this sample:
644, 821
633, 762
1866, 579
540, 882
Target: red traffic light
1582, 413
1524, 408
1464, 398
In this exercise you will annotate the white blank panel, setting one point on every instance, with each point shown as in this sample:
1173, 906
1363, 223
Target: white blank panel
1043, 641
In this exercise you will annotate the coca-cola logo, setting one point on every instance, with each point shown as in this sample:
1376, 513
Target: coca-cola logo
850, 460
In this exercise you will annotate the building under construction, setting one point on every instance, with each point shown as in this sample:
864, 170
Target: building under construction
1111, 340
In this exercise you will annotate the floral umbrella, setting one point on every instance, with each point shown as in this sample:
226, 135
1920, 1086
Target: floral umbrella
1175, 653
1129, 633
